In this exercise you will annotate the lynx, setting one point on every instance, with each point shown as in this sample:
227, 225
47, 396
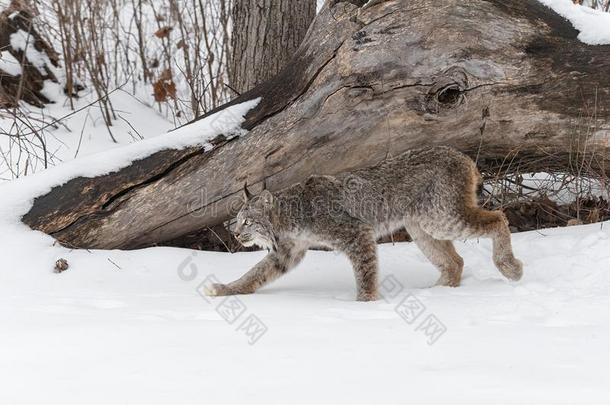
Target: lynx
430, 191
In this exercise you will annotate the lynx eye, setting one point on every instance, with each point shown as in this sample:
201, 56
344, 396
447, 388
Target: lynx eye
247, 222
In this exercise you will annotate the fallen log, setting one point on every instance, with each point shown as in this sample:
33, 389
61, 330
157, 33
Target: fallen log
507, 82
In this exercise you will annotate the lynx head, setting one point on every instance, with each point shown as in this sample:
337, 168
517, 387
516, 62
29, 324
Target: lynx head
254, 220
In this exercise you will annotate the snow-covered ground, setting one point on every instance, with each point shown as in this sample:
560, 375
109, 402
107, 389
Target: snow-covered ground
131, 328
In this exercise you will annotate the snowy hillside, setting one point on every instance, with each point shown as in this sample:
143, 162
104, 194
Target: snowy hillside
79, 133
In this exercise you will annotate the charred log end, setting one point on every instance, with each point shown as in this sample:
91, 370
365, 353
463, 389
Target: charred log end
81, 198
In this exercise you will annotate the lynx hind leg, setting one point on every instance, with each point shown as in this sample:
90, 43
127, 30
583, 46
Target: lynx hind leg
494, 225
477, 222
441, 254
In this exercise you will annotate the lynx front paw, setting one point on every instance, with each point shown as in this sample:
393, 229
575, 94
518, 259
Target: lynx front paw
216, 290
449, 280
368, 296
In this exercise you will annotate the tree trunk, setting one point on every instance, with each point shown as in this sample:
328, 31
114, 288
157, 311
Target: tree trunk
507, 82
266, 34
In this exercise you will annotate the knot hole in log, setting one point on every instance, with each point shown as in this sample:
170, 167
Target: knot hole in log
447, 91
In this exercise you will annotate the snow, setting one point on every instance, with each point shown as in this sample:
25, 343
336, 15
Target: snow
84, 133
594, 25
80, 132
20, 40
99, 334
9, 64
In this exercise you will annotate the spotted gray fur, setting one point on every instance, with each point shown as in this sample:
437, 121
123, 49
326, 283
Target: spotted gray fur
430, 191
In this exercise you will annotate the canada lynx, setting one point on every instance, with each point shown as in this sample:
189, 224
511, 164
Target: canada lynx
430, 191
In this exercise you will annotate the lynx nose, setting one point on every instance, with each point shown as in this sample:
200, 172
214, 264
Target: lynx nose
243, 237
239, 235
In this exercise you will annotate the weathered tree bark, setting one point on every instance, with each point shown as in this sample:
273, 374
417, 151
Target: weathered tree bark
17, 30
507, 82
266, 34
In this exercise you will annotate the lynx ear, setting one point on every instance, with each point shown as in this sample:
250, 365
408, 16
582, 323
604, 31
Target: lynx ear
247, 194
267, 198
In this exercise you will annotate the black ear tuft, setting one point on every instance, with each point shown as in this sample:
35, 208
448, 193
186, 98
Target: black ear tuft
247, 194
